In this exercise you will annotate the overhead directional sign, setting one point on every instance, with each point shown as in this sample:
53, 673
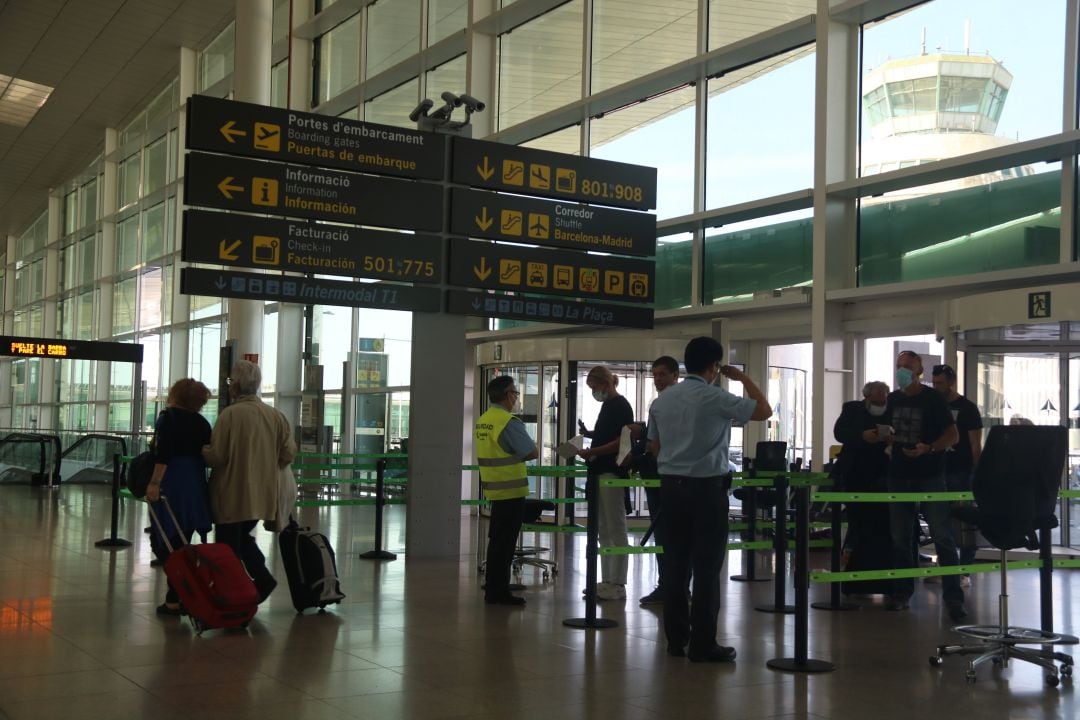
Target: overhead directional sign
279, 244
515, 307
301, 290
70, 349
478, 213
259, 131
540, 270
298, 191
556, 175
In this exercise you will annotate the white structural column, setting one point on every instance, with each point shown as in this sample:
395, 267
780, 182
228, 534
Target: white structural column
290, 316
48, 410
7, 324
251, 83
106, 264
834, 218
180, 337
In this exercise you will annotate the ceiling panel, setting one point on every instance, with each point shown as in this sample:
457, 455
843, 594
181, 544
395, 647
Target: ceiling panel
106, 59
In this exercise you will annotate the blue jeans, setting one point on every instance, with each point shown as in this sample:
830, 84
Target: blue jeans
902, 527
961, 482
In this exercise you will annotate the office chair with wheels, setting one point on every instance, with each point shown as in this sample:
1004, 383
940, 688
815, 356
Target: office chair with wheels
1016, 484
530, 555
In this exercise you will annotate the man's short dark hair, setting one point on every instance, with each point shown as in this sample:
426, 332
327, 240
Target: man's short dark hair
701, 353
498, 387
945, 370
666, 361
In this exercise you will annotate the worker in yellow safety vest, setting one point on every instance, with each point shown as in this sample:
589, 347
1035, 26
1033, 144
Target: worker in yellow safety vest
502, 447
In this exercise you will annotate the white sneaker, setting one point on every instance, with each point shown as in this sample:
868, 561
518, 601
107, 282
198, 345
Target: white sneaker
610, 591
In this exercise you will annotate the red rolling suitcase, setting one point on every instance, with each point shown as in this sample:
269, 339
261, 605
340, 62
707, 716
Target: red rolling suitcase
214, 588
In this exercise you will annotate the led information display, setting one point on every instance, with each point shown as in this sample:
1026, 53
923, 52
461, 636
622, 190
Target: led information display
540, 270
298, 191
515, 307
526, 171
70, 349
279, 244
239, 128
477, 213
285, 288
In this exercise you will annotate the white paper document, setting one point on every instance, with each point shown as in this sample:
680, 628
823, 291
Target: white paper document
625, 445
571, 447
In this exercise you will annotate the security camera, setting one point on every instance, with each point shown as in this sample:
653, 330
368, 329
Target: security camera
421, 110
471, 104
451, 99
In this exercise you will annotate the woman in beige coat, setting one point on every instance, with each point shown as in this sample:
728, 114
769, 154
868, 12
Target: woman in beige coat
250, 445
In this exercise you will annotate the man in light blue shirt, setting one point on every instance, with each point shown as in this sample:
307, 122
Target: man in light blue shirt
689, 433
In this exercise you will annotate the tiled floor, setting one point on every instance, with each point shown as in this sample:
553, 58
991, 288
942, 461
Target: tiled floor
79, 639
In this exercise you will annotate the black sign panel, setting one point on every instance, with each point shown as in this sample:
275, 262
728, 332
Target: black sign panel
486, 164
558, 272
293, 289
560, 224
240, 128
279, 244
70, 349
297, 191
515, 307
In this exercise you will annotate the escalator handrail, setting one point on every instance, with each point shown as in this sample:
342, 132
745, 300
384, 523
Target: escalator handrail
97, 436
42, 439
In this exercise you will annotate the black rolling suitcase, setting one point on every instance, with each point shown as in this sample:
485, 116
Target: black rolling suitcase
310, 566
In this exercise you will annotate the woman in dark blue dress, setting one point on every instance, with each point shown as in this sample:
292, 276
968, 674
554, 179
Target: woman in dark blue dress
180, 473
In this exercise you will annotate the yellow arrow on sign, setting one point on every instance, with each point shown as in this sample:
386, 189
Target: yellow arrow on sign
483, 221
228, 253
483, 272
229, 131
486, 171
226, 189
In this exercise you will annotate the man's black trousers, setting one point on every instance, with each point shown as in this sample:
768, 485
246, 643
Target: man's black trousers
695, 522
506, 516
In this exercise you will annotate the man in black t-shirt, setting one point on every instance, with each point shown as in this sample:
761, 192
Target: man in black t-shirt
961, 459
923, 429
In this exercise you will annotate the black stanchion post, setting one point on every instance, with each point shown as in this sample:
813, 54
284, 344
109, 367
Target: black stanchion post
835, 602
114, 522
1046, 582
801, 662
592, 546
380, 500
779, 604
749, 506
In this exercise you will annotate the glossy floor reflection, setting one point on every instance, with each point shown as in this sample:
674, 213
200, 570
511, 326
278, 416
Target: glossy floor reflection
79, 639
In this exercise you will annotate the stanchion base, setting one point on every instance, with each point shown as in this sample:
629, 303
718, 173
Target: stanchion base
378, 555
586, 624
744, 578
113, 543
800, 666
784, 609
838, 606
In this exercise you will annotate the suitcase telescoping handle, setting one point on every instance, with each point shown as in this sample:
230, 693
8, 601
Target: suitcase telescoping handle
176, 523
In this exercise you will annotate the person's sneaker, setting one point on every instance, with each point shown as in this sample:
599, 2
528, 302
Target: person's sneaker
957, 611
599, 585
610, 591
656, 597
717, 653
507, 599
897, 604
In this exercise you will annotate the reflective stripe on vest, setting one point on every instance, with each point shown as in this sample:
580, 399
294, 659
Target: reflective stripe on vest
502, 474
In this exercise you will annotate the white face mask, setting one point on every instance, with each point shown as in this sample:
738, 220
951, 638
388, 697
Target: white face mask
599, 396
876, 410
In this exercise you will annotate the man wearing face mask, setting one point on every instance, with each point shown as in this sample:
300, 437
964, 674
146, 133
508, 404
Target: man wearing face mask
861, 467
689, 433
923, 429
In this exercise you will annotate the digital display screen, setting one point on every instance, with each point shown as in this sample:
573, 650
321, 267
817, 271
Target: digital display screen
70, 349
